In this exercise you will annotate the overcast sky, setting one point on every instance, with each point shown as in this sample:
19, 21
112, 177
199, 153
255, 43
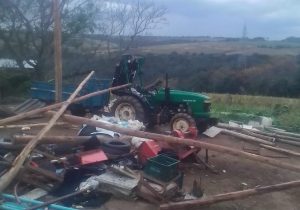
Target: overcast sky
274, 19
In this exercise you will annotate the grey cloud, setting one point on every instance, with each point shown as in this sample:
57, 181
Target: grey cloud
269, 18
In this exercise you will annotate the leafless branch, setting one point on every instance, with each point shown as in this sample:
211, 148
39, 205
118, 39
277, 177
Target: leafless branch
128, 19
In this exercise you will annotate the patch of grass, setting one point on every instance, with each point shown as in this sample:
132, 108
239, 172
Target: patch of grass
284, 111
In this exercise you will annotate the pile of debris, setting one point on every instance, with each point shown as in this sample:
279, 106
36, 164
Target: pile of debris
96, 161
112, 157
99, 161
266, 137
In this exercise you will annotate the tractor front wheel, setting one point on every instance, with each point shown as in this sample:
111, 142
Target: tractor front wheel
128, 108
182, 122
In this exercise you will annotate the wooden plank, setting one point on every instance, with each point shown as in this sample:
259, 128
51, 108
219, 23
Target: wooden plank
229, 196
274, 135
284, 133
6, 179
52, 139
246, 137
30, 125
57, 51
44, 173
294, 143
175, 140
57, 105
61, 139
268, 138
281, 150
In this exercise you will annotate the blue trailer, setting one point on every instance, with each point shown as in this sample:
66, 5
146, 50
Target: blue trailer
45, 92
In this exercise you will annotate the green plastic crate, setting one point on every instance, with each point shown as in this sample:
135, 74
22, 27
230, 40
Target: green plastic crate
162, 167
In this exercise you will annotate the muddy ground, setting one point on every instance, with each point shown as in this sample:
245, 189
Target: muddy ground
235, 174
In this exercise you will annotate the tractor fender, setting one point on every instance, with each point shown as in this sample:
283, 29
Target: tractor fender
140, 97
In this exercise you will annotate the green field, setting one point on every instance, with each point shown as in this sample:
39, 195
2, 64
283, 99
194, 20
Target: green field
271, 48
284, 111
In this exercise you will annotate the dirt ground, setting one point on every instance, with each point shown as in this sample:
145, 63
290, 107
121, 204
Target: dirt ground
235, 174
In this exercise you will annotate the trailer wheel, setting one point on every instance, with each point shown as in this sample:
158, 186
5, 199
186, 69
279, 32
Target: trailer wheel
116, 147
182, 122
128, 108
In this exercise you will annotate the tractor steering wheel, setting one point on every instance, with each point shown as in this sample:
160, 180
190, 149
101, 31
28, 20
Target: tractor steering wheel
154, 86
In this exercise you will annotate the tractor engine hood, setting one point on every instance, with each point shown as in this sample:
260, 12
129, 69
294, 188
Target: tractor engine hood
182, 96
186, 96
199, 104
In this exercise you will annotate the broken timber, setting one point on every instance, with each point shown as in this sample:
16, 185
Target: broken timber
31, 125
52, 139
284, 133
281, 150
57, 105
268, 138
246, 137
175, 140
274, 135
6, 179
229, 196
59, 139
294, 143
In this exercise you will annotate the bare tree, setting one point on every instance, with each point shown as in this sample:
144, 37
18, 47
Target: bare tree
145, 16
26, 29
122, 21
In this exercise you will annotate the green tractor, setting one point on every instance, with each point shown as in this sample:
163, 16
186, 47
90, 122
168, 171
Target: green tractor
154, 105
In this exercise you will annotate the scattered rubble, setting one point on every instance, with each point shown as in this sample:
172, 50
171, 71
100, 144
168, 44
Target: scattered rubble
113, 163
111, 157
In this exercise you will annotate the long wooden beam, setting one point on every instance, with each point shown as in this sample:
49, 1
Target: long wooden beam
229, 196
274, 135
57, 51
281, 150
17, 139
290, 142
268, 138
284, 133
57, 105
175, 140
6, 179
246, 137
30, 125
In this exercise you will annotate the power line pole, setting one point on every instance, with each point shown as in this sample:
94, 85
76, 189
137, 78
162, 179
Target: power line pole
245, 32
57, 51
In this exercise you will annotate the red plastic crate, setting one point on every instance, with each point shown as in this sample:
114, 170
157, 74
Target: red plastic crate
92, 156
147, 150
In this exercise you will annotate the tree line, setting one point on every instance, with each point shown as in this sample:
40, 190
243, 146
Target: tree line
237, 74
26, 27
219, 73
96, 32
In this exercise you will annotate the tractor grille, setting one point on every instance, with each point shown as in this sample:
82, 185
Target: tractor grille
206, 106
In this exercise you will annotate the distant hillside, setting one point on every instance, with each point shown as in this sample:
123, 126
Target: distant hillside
239, 74
202, 64
226, 46
292, 39
201, 44
205, 64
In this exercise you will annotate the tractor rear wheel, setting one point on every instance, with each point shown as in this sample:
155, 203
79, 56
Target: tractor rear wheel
128, 108
182, 122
